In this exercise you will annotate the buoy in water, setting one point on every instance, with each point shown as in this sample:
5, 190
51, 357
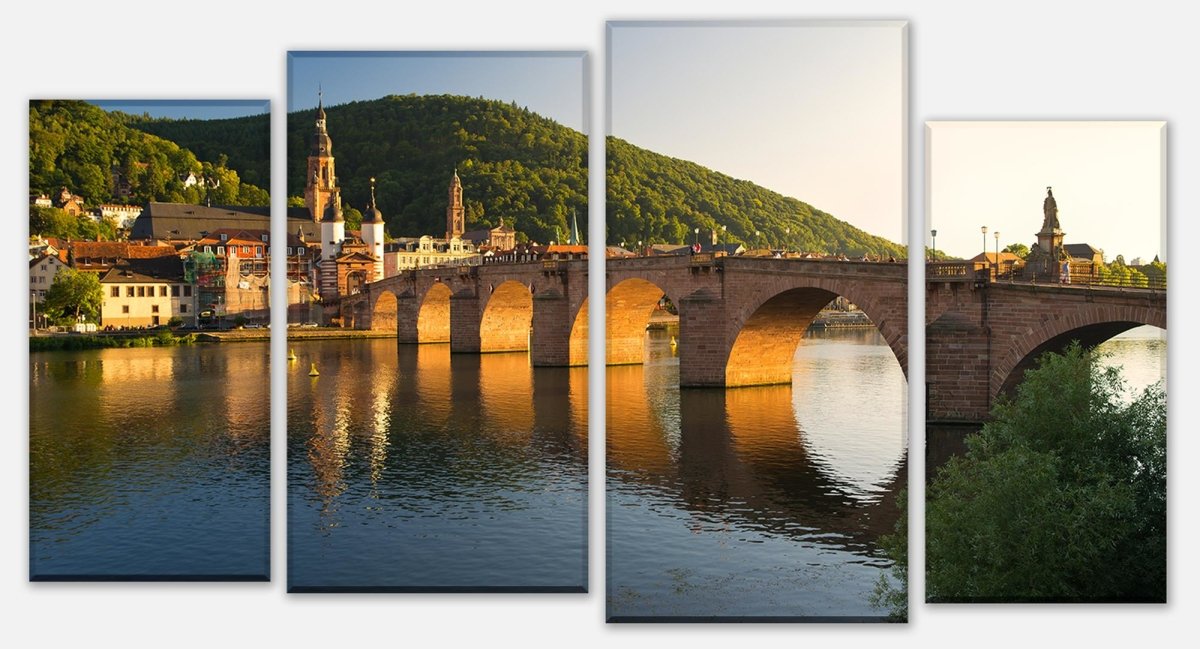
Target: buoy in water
313, 371
673, 342
291, 355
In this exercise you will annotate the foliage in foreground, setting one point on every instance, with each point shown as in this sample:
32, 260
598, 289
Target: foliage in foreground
891, 591
1062, 497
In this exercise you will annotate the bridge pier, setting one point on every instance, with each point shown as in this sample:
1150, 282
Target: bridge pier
956, 371
465, 318
408, 311
703, 344
551, 337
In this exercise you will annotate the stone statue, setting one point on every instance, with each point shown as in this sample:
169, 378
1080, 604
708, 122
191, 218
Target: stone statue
1050, 210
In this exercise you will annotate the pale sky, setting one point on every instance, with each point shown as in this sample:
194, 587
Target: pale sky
550, 84
1107, 179
811, 110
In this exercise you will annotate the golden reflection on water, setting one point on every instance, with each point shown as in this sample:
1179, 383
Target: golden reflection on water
506, 396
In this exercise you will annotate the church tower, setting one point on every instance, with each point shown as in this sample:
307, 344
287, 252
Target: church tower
333, 234
321, 185
455, 214
372, 233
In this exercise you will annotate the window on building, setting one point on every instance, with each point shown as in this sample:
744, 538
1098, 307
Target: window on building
224, 237
208, 250
162, 291
183, 308
41, 279
221, 250
246, 250
116, 291
175, 290
264, 238
141, 291
258, 251
300, 251
124, 308
187, 291
128, 291
154, 308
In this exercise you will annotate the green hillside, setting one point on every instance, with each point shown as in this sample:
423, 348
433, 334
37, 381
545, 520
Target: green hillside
77, 145
244, 141
532, 172
658, 199
513, 163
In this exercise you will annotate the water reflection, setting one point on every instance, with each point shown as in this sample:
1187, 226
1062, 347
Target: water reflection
150, 463
764, 501
411, 468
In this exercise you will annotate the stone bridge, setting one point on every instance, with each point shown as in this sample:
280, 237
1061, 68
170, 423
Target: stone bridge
741, 318
982, 333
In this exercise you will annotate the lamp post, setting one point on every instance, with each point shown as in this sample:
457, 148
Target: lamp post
985, 259
696, 238
933, 253
997, 235
757, 238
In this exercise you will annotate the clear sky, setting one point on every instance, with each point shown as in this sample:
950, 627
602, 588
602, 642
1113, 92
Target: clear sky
547, 83
814, 111
187, 109
1107, 179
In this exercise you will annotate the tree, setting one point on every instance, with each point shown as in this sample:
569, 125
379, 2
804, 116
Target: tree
74, 295
1061, 497
1019, 249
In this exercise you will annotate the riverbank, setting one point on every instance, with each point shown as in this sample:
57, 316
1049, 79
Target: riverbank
55, 342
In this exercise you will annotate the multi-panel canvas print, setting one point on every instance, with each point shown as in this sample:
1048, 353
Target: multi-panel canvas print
756, 321
437, 396
149, 398
1046, 316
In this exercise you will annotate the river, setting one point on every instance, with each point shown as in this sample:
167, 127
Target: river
413, 469
761, 502
150, 463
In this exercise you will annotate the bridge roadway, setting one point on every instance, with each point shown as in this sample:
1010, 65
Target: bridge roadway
741, 318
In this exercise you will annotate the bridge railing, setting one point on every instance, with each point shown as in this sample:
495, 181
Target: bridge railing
950, 270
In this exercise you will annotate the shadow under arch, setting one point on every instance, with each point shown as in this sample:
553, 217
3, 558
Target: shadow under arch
763, 350
433, 320
1010, 371
385, 312
577, 343
628, 308
504, 326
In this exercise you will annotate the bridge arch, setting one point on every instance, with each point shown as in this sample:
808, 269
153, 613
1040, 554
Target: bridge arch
770, 324
433, 318
507, 317
384, 311
1090, 326
577, 343
629, 305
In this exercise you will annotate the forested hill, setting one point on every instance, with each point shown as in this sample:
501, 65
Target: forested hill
245, 141
656, 198
513, 163
77, 145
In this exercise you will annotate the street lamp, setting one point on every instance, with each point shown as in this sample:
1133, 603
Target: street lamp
757, 238
984, 231
997, 235
696, 239
933, 236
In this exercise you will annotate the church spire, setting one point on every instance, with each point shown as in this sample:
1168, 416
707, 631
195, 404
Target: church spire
455, 213
321, 182
373, 214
